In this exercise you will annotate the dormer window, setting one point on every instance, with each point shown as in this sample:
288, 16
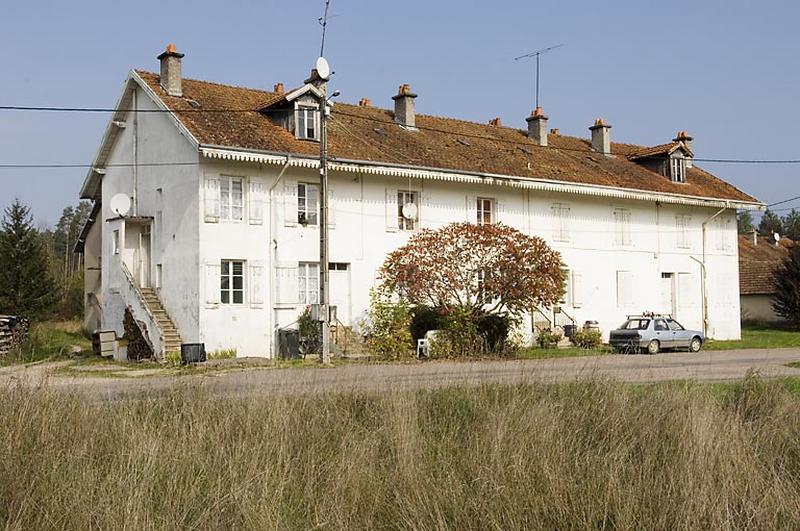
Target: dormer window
306, 123
677, 167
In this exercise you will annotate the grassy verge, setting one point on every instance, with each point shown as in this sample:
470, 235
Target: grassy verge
572, 352
579, 456
51, 339
758, 337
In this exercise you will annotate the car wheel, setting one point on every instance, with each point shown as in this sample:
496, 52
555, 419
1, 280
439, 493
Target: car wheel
652, 347
696, 344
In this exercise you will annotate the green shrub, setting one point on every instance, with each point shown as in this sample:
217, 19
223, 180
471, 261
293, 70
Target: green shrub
588, 338
548, 338
310, 333
172, 358
388, 327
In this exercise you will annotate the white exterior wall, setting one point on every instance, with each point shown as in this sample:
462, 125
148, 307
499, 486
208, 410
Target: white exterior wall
360, 237
175, 240
758, 308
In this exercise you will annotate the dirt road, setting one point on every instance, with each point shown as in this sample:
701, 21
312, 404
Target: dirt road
705, 366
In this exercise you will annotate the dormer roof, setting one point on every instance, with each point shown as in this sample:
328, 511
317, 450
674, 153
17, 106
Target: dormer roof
662, 150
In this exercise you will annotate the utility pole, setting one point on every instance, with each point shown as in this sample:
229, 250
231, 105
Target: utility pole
324, 275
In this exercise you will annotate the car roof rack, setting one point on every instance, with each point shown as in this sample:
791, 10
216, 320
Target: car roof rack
650, 315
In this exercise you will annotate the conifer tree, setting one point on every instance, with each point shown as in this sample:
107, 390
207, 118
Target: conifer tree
770, 224
26, 285
744, 222
786, 300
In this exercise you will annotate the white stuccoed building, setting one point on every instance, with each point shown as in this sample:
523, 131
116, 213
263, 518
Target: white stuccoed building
221, 244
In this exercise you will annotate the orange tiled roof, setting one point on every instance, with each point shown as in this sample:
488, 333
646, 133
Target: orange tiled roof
370, 134
757, 263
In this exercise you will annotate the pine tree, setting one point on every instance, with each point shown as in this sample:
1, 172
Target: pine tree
744, 222
26, 286
791, 224
770, 224
786, 301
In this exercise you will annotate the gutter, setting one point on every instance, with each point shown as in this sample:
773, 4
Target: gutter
702, 263
273, 256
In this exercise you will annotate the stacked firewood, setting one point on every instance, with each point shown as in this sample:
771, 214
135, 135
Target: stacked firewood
138, 348
13, 331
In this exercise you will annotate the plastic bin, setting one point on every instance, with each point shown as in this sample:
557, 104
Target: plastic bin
289, 344
193, 352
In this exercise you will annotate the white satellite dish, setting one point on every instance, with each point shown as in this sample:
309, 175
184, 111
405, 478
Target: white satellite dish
120, 204
410, 211
323, 68
777, 237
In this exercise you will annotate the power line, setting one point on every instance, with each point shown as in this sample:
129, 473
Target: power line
784, 201
109, 110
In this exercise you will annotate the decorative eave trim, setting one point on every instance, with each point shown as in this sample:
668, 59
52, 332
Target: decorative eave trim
545, 185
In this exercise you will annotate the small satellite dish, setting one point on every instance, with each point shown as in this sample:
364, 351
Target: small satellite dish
323, 68
410, 211
120, 204
777, 237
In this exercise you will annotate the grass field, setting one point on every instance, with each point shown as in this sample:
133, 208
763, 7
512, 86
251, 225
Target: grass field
48, 340
589, 456
759, 337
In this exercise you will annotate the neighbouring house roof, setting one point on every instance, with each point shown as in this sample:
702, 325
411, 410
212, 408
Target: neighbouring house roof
757, 263
361, 133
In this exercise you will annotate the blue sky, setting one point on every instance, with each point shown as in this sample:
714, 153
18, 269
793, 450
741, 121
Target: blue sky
723, 70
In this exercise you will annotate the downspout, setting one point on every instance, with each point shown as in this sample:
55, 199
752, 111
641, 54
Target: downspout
273, 244
135, 154
703, 268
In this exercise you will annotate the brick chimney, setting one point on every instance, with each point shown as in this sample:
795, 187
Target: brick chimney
537, 126
171, 71
365, 102
404, 111
683, 136
601, 137
497, 122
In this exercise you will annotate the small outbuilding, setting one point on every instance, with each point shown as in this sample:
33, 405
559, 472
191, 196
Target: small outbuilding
759, 259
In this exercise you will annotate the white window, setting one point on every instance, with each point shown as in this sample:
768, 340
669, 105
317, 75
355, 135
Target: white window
231, 282
308, 283
624, 289
306, 121
485, 207
560, 222
721, 240
407, 198
682, 240
677, 170
115, 243
231, 198
622, 227
307, 203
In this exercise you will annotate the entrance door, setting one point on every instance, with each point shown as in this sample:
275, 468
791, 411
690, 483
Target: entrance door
340, 290
668, 293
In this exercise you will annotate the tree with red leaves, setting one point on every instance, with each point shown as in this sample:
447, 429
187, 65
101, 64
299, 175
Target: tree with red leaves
480, 269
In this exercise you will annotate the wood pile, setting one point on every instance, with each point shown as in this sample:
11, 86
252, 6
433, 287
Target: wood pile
13, 331
138, 348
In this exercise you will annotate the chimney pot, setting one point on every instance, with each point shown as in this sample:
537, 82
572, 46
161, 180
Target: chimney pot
404, 107
365, 102
496, 122
537, 126
279, 88
555, 131
601, 137
171, 71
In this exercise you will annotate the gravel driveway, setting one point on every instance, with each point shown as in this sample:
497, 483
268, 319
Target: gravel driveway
704, 366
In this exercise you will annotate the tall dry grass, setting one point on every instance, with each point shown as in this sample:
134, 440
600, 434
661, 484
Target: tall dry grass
589, 456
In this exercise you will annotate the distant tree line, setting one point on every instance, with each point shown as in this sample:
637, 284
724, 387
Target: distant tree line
40, 275
788, 225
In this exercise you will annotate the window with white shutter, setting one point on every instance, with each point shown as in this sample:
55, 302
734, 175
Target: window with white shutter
331, 208
211, 200
391, 210
286, 283
256, 207
212, 282
560, 216
256, 284
290, 204
624, 289
682, 240
622, 227
577, 289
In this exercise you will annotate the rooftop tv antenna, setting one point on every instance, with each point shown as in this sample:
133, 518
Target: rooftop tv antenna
323, 20
537, 54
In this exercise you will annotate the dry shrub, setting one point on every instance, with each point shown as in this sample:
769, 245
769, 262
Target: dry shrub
590, 455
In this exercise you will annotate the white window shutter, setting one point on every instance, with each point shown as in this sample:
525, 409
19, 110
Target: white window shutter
256, 210
499, 214
424, 210
211, 200
286, 284
212, 283
331, 208
472, 209
256, 284
290, 203
391, 210
685, 290
577, 289
624, 288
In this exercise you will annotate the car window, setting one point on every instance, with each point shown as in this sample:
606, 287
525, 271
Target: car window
661, 325
636, 324
674, 325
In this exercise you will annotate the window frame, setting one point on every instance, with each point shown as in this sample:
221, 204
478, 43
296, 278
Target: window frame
227, 294
677, 169
303, 276
560, 213
682, 239
304, 211
226, 208
403, 222
482, 212
622, 227
305, 111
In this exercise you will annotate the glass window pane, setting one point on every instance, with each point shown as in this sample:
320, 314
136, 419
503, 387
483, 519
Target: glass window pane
238, 282
238, 297
225, 267
225, 297
238, 267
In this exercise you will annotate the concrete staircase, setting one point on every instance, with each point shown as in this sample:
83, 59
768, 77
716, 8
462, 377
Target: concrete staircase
169, 333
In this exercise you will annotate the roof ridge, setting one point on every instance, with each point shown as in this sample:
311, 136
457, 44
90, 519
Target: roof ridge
205, 81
